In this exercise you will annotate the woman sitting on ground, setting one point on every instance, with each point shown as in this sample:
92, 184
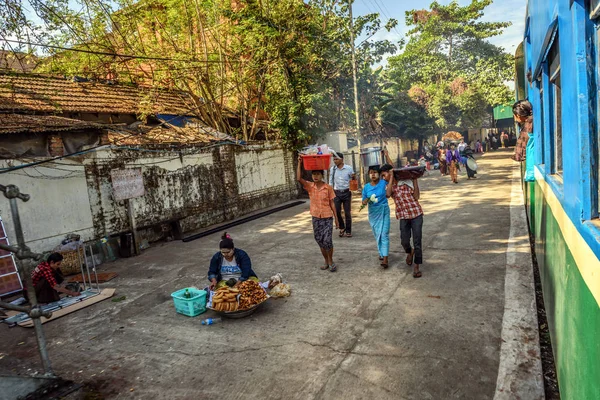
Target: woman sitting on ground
229, 264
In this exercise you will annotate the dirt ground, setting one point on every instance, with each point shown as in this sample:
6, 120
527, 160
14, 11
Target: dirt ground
360, 333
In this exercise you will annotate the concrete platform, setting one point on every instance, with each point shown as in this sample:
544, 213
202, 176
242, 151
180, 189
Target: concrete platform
362, 333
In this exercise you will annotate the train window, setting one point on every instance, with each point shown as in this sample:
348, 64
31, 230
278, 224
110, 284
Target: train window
556, 107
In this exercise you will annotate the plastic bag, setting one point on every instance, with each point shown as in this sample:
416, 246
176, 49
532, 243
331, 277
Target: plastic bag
530, 161
281, 290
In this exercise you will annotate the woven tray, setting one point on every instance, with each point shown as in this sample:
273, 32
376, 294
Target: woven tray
71, 262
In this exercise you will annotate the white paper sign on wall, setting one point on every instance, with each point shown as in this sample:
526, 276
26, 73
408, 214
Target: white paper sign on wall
127, 183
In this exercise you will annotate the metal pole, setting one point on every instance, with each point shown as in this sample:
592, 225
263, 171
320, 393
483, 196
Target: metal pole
87, 265
81, 265
94, 270
11, 192
356, 106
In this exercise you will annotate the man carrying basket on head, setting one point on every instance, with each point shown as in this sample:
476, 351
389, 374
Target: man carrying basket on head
339, 179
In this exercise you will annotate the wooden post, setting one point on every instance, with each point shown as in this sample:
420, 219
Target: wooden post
355, 169
131, 214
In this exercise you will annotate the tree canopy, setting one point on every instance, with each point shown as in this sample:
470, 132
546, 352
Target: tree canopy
282, 61
448, 60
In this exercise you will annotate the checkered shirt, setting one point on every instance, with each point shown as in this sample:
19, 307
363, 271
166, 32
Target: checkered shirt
43, 271
406, 205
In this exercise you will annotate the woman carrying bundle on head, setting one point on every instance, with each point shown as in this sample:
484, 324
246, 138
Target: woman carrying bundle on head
324, 215
229, 265
374, 195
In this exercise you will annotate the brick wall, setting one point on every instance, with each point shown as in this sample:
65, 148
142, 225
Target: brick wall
55, 146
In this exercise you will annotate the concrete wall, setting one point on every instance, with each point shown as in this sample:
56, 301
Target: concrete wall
197, 187
59, 203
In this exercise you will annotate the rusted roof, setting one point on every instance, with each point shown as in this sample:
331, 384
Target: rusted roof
18, 123
163, 135
41, 93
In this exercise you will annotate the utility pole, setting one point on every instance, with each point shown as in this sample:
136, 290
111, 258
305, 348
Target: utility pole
356, 106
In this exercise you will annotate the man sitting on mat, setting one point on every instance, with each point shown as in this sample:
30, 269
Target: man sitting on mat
46, 278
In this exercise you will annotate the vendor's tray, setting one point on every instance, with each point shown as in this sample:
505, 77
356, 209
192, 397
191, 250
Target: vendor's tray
238, 302
408, 173
239, 313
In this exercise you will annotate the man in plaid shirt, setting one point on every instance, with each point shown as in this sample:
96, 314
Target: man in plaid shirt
46, 279
406, 195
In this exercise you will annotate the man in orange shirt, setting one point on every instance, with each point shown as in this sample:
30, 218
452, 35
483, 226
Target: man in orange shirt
322, 209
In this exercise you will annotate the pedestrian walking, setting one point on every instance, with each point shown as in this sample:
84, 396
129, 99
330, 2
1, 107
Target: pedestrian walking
468, 154
375, 196
322, 209
442, 159
478, 147
339, 178
453, 160
406, 196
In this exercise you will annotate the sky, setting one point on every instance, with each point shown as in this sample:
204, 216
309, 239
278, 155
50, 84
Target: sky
501, 10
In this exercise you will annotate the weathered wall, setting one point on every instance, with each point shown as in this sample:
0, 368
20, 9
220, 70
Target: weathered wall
59, 202
197, 187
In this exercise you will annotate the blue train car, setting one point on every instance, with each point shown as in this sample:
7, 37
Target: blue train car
558, 67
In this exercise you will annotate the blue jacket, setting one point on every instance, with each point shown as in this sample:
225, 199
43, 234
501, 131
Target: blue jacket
242, 259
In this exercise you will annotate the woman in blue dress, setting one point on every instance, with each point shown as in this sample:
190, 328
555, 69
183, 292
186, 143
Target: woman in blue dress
374, 194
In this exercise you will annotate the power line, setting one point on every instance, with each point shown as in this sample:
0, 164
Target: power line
383, 12
49, 46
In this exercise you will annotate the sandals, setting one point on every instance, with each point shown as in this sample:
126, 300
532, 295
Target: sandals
417, 274
342, 232
410, 257
333, 268
384, 266
324, 267
348, 234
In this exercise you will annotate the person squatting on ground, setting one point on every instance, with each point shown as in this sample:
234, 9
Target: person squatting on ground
379, 211
523, 113
453, 160
229, 263
47, 279
406, 196
322, 209
339, 178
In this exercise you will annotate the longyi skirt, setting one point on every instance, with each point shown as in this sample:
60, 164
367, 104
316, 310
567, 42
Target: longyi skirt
323, 229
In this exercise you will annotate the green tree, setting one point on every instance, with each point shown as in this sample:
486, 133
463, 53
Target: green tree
449, 58
284, 59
